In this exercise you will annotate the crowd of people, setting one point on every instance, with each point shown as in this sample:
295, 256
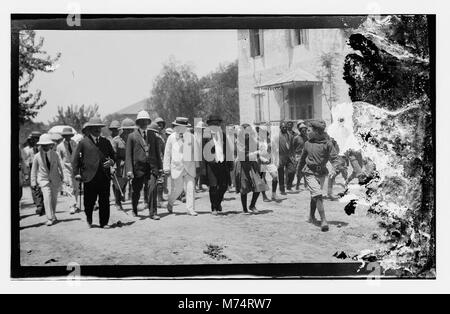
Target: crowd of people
179, 161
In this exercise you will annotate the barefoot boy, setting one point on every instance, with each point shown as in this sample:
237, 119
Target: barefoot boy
318, 150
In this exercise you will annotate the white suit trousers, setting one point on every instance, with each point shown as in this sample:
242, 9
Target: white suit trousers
50, 194
184, 182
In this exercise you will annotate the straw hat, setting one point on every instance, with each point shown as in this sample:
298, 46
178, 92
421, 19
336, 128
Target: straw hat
181, 121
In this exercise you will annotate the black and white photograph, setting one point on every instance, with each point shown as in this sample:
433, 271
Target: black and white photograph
223, 146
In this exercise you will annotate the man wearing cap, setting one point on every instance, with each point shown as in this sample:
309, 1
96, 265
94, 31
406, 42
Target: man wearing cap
28, 152
299, 142
47, 173
218, 158
179, 163
317, 151
119, 143
143, 164
66, 150
92, 162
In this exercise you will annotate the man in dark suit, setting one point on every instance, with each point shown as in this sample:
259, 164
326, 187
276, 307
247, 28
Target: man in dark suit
218, 166
143, 163
92, 162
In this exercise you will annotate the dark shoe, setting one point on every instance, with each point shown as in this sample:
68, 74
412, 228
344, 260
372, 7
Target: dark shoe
155, 217
324, 228
283, 193
169, 208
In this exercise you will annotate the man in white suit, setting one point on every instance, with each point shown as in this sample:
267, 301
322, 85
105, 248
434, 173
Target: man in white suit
66, 150
180, 164
47, 173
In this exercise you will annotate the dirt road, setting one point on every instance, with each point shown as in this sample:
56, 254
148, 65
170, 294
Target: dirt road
279, 233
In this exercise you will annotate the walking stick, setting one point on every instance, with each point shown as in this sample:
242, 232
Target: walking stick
118, 186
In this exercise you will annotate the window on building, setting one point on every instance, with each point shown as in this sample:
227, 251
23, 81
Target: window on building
300, 37
256, 43
259, 116
301, 103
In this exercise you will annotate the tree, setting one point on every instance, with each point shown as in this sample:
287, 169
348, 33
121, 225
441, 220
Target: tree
220, 94
176, 92
29, 126
327, 74
74, 116
32, 59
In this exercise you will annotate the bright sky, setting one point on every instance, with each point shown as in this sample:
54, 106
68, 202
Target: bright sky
116, 68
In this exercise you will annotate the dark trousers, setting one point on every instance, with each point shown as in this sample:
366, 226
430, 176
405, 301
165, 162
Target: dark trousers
98, 187
38, 199
150, 192
216, 194
286, 167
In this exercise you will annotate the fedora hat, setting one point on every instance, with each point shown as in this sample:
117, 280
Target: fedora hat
95, 121
45, 139
67, 131
214, 117
181, 121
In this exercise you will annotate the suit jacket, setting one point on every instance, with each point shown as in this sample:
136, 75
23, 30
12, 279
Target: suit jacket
219, 172
42, 175
179, 155
63, 151
92, 157
142, 157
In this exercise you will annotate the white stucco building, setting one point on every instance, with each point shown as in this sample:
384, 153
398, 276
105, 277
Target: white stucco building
282, 74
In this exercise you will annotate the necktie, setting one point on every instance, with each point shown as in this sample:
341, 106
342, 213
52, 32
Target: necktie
69, 147
144, 135
47, 161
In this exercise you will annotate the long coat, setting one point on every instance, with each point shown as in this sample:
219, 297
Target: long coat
218, 173
41, 175
142, 157
92, 157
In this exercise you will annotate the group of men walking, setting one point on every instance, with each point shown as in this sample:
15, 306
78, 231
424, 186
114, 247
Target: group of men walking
141, 155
